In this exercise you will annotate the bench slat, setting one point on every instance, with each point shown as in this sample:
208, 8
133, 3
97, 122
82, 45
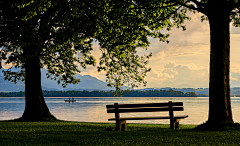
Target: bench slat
144, 110
147, 118
145, 105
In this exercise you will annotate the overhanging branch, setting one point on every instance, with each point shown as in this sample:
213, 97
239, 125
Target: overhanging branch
238, 4
199, 4
167, 17
166, 3
199, 9
234, 4
155, 7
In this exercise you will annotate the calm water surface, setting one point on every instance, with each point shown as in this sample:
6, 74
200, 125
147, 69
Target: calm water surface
93, 109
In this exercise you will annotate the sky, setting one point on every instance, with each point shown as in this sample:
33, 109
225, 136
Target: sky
184, 62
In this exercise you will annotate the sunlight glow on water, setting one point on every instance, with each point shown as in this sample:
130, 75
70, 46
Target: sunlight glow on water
93, 109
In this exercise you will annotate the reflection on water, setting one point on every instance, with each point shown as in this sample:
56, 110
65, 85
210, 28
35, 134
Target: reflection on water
93, 109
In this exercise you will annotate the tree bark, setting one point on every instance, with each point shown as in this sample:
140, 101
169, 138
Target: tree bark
219, 88
35, 106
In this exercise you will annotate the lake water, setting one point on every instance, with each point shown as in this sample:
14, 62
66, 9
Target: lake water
93, 109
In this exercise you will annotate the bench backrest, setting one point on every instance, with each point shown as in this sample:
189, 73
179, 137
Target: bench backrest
145, 107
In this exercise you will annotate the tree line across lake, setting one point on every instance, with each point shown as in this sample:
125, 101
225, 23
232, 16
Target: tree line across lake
132, 93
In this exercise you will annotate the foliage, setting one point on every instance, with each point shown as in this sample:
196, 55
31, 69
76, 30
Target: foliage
76, 133
60, 33
132, 93
44, 29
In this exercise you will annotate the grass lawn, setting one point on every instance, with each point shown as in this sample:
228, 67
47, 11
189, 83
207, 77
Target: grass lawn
78, 133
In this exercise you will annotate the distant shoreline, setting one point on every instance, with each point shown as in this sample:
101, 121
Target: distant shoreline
132, 93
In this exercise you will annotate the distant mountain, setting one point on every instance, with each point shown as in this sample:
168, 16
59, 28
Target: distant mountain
235, 91
170, 84
87, 83
146, 89
183, 86
167, 84
10, 86
196, 90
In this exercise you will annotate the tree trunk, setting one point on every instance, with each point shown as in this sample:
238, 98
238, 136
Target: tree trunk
219, 88
35, 106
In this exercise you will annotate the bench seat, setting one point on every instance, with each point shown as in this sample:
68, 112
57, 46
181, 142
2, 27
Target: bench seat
148, 118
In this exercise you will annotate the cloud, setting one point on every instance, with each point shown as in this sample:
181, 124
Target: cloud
233, 79
181, 74
190, 74
170, 71
234, 30
169, 65
235, 76
192, 45
164, 75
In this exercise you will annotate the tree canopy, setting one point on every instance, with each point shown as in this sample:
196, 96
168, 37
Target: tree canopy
61, 34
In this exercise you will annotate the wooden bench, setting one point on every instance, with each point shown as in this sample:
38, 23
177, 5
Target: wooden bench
146, 107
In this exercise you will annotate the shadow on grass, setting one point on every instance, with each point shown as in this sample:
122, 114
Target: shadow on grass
86, 133
230, 126
218, 127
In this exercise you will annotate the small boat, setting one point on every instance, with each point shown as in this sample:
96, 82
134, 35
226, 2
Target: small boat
70, 100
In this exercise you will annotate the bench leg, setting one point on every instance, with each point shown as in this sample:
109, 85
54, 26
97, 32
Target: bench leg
124, 125
176, 122
177, 125
121, 125
172, 124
